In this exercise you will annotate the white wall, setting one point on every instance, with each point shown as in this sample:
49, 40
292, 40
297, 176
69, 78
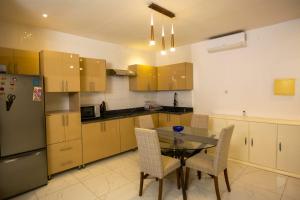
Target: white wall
117, 95
247, 74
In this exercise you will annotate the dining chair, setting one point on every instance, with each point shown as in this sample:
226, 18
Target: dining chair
213, 165
199, 121
152, 163
145, 121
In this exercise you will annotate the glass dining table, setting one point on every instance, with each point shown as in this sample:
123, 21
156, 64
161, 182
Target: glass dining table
186, 143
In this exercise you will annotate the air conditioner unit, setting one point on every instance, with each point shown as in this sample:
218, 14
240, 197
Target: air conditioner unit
233, 41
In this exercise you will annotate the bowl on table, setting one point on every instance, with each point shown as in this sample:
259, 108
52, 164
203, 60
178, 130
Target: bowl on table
178, 129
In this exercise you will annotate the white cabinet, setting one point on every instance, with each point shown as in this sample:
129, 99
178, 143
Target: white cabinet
239, 145
263, 143
288, 153
216, 125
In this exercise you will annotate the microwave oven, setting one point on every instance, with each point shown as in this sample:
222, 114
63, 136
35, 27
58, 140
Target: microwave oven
90, 111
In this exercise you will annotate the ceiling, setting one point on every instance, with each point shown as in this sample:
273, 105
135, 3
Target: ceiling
126, 22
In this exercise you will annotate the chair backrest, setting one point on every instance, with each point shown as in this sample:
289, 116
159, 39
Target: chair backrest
145, 121
149, 152
222, 149
199, 121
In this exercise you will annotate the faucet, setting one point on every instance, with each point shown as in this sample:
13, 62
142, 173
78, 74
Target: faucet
175, 102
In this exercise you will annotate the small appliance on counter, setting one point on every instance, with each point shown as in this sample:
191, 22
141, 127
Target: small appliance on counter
90, 111
152, 106
102, 107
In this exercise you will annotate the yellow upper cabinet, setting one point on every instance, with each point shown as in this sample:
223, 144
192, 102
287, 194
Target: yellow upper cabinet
61, 71
175, 77
20, 61
92, 75
145, 79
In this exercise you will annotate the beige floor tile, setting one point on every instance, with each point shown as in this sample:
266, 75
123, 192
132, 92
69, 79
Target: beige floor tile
117, 178
249, 193
292, 189
58, 182
102, 184
254, 177
26, 196
74, 192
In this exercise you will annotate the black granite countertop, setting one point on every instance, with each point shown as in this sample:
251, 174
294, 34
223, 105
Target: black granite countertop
133, 112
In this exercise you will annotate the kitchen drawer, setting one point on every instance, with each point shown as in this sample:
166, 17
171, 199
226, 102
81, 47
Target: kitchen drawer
63, 156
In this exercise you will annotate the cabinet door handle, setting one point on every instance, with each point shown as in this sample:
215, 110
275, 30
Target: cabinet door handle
279, 146
66, 149
67, 120
15, 69
252, 142
67, 163
245, 141
67, 86
63, 120
62, 86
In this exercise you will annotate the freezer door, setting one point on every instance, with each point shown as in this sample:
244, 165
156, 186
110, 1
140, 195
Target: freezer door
21, 174
22, 127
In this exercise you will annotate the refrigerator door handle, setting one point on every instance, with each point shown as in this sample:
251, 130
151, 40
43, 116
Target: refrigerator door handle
11, 160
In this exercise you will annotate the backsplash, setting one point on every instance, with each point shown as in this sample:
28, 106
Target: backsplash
117, 95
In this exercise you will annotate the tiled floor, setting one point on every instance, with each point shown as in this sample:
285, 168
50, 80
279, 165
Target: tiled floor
117, 178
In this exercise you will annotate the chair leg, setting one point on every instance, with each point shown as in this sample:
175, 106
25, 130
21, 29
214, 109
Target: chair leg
160, 189
187, 174
178, 178
217, 187
227, 180
199, 174
141, 184
182, 183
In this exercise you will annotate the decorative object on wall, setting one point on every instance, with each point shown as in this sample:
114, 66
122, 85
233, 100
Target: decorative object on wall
169, 14
284, 87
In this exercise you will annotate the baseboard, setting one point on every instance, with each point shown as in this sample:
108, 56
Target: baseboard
266, 168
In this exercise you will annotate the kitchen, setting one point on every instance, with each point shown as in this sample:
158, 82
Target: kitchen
90, 154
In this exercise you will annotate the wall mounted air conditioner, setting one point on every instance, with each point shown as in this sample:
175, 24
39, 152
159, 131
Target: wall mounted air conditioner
237, 40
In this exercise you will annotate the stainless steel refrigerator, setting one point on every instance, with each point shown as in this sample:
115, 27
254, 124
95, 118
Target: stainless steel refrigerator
23, 160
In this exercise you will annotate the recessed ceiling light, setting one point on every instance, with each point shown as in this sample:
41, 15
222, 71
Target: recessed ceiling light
45, 15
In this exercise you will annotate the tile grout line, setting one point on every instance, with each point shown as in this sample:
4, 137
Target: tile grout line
285, 185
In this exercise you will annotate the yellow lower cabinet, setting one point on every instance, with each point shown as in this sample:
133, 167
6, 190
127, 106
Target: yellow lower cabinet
166, 119
155, 120
92, 142
111, 137
63, 156
127, 135
100, 140
185, 119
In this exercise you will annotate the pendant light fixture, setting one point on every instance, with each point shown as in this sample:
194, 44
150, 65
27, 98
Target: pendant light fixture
152, 41
172, 49
163, 45
169, 14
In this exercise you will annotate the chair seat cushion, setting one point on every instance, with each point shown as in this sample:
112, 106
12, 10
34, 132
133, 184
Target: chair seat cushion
169, 164
201, 162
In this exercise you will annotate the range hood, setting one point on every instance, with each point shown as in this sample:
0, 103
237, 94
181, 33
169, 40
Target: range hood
120, 72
